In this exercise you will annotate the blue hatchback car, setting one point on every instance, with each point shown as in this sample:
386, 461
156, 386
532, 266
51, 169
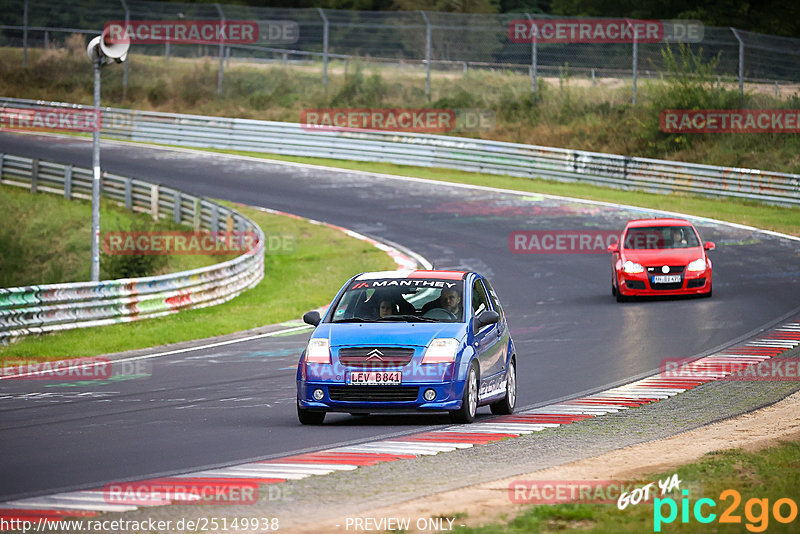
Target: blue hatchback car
398, 341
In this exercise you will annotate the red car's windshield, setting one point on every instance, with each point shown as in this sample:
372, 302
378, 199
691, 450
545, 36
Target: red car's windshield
661, 237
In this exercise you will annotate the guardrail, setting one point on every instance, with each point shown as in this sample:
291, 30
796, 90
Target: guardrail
425, 150
47, 308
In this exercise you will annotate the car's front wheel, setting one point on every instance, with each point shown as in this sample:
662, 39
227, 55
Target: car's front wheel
469, 401
506, 406
308, 417
710, 292
619, 295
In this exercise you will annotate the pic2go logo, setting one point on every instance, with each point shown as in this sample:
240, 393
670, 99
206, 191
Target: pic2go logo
756, 511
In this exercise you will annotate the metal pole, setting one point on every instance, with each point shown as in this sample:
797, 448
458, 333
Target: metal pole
741, 66
221, 51
125, 67
635, 65
325, 37
635, 59
534, 59
25, 36
427, 54
96, 178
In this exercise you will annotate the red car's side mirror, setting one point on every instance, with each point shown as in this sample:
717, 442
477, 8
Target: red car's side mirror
709, 245
613, 248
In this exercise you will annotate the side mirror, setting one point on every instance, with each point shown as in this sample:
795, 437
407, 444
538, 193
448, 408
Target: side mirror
613, 248
709, 245
312, 318
486, 317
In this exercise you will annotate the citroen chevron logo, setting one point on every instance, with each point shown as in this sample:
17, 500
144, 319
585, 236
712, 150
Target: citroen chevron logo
375, 354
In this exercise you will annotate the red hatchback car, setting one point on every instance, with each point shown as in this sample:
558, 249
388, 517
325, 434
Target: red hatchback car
660, 257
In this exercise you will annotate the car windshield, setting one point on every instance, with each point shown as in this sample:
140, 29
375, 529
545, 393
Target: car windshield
401, 300
661, 237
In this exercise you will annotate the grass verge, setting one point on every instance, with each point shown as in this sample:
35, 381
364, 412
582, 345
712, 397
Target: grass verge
37, 248
761, 479
297, 279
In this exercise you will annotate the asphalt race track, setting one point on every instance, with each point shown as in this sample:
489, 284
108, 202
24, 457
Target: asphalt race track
230, 404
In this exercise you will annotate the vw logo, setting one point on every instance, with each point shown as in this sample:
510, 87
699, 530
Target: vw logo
375, 354
665, 269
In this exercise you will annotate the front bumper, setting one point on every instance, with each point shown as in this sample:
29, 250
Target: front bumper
338, 396
692, 283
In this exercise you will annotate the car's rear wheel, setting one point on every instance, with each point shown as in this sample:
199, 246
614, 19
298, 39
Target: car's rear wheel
506, 406
469, 401
308, 417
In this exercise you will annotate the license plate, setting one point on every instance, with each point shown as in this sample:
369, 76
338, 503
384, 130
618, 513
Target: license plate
372, 378
666, 279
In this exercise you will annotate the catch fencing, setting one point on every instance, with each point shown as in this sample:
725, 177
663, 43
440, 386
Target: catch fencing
53, 307
451, 41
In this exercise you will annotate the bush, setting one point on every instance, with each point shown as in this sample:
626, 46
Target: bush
361, 91
114, 266
76, 45
691, 84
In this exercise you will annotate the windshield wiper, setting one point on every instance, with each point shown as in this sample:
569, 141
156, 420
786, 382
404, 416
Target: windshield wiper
408, 318
355, 320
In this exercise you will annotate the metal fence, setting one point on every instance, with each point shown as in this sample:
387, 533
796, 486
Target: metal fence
52, 307
424, 38
495, 157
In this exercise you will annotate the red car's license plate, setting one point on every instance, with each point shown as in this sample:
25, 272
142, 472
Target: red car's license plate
666, 279
370, 378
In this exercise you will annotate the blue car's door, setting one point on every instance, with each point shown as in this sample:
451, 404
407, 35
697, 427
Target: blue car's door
487, 343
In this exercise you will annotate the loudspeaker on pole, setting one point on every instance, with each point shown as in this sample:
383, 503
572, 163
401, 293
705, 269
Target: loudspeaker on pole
100, 48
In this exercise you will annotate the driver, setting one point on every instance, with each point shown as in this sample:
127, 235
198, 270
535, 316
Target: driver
677, 238
386, 308
388, 302
449, 299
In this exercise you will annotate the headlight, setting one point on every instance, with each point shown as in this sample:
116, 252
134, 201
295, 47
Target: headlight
632, 267
441, 351
697, 265
318, 350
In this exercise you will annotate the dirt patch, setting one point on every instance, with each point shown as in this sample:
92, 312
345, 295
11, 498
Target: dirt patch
489, 502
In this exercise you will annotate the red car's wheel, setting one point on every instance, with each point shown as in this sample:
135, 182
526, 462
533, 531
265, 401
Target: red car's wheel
620, 296
708, 295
